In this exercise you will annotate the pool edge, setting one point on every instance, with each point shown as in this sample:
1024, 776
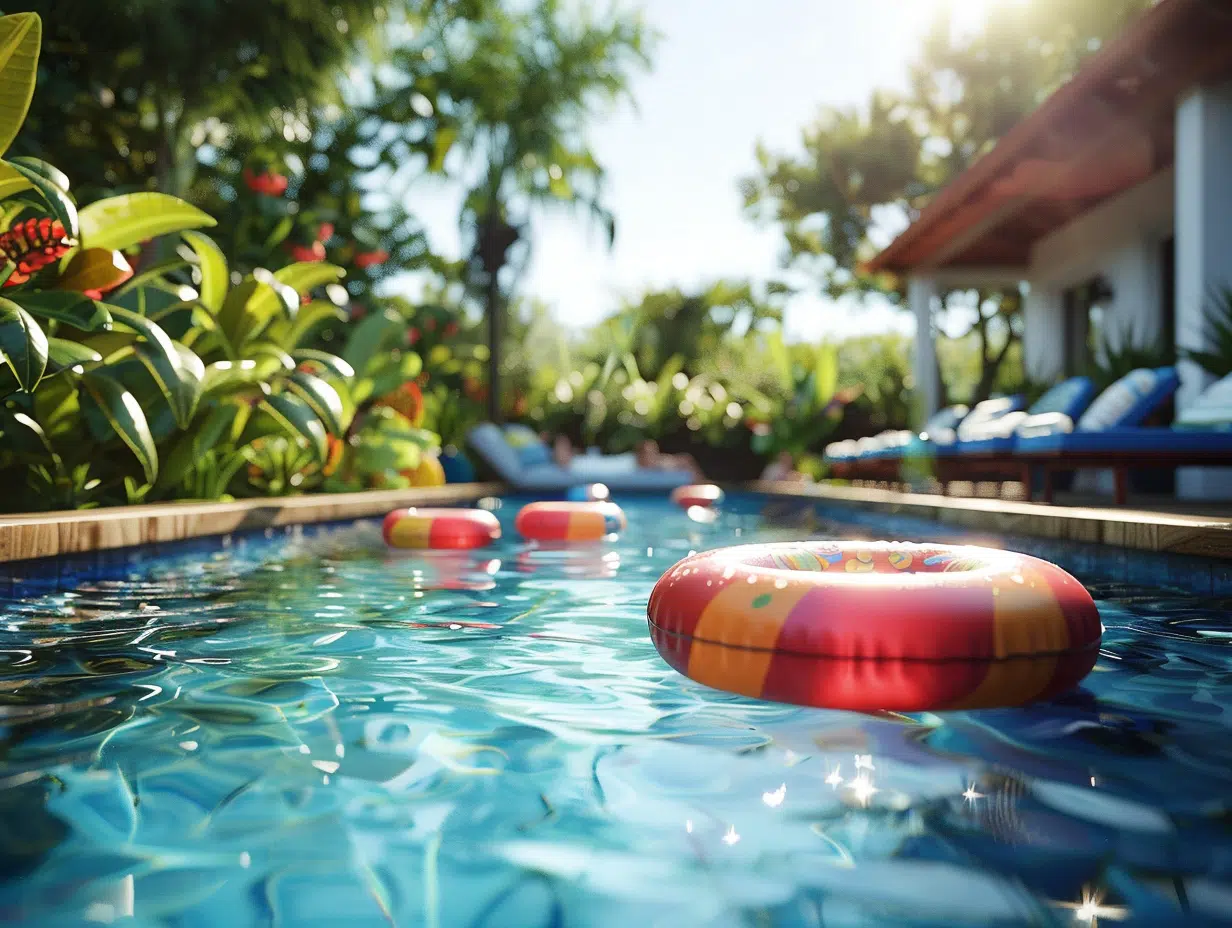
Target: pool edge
52, 534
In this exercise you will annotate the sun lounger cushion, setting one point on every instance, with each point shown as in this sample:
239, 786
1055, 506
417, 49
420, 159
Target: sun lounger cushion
1211, 410
1130, 400
996, 436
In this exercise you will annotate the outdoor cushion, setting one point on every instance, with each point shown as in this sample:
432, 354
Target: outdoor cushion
1130, 400
841, 450
1131, 440
1211, 410
945, 440
1059, 404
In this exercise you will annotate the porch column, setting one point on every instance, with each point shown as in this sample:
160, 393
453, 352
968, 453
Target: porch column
1203, 246
921, 295
1043, 334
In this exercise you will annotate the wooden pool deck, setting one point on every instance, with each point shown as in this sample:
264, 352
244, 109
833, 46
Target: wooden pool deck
52, 534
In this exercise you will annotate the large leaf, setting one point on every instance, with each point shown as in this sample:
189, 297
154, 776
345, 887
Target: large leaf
132, 218
225, 376
371, 336
75, 309
22, 433
21, 36
323, 399
95, 269
62, 206
125, 417
39, 166
181, 382
12, 181
249, 308
63, 353
306, 321
330, 362
213, 267
304, 275
204, 437
298, 416
23, 344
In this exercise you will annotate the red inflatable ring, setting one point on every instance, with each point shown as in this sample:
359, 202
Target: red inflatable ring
563, 521
697, 494
440, 528
872, 626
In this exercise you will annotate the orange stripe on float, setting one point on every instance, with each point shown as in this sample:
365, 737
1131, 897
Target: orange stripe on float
732, 618
1027, 619
411, 532
586, 526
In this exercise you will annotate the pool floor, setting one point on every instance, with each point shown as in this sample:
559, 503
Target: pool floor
312, 730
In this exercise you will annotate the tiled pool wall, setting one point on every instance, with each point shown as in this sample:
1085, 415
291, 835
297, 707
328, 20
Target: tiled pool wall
1208, 577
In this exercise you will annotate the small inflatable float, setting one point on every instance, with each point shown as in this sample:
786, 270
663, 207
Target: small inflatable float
440, 528
569, 521
697, 494
871, 626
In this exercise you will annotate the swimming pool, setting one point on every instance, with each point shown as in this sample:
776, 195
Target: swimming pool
308, 729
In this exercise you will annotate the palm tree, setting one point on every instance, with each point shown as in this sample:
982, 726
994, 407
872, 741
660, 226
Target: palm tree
523, 86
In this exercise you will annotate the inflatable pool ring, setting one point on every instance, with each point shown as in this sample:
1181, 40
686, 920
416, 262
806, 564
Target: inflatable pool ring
588, 493
697, 494
566, 521
440, 528
871, 626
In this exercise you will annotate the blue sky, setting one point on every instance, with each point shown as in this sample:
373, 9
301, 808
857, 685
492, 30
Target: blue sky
727, 73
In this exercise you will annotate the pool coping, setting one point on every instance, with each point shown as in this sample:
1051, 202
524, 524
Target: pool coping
42, 535
51, 534
1142, 530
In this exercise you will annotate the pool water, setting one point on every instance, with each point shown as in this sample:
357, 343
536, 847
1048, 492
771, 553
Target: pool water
309, 729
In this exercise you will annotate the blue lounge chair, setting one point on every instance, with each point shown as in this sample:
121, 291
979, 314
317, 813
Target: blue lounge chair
996, 435
522, 460
876, 457
1109, 436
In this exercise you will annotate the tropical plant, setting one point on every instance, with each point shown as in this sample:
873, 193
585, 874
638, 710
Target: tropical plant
813, 408
1120, 354
74, 363
1215, 357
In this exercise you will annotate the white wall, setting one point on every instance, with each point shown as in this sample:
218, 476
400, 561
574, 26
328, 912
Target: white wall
1118, 240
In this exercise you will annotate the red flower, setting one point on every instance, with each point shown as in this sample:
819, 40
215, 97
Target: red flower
365, 259
451, 329
412, 335
32, 245
326, 232
407, 399
93, 294
265, 183
358, 312
310, 253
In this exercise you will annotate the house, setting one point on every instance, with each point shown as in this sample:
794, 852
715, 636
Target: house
1112, 202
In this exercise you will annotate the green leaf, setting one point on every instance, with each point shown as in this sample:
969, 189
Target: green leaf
12, 181
132, 218
308, 318
213, 266
372, 335
23, 344
63, 353
24, 434
180, 380
331, 362
304, 275
280, 233
441, 144
125, 417
62, 206
297, 416
250, 307
825, 374
196, 443
224, 376
389, 376
21, 36
41, 167
74, 309
151, 276
323, 399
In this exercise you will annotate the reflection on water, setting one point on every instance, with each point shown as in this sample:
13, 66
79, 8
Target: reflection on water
318, 731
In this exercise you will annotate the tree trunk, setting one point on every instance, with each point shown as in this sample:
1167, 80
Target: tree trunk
495, 312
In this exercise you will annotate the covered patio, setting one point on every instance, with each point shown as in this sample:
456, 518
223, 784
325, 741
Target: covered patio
1122, 178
